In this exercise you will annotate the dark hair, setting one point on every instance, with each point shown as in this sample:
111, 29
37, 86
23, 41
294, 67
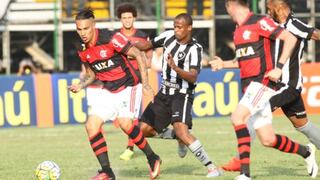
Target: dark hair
86, 13
241, 2
126, 7
285, 2
186, 17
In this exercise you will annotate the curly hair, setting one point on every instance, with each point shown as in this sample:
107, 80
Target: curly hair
126, 7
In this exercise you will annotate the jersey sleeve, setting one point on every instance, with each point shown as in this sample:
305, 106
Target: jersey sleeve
120, 43
196, 58
268, 28
159, 40
300, 29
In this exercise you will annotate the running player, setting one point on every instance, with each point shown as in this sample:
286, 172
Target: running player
253, 36
127, 14
103, 54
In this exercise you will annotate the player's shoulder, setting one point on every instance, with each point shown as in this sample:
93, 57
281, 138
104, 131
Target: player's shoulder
255, 18
104, 36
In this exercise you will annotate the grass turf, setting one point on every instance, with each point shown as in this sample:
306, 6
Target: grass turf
22, 149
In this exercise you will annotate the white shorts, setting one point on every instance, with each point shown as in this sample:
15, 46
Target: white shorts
109, 106
256, 99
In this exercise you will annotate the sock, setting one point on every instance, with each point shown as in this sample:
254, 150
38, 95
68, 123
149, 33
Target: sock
244, 142
168, 133
137, 137
197, 149
99, 147
130, 142
312, 132
284, 144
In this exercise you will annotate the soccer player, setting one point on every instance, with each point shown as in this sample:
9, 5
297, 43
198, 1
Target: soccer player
103, 54
289, 99
127, 14
173, 103
253, 37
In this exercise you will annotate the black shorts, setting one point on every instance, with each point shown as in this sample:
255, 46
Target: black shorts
291, 103
167, 109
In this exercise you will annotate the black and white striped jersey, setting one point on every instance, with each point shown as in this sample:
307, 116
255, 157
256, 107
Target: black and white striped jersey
186, 56
291, 73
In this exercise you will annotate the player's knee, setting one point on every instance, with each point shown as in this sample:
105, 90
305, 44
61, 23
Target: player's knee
298, 122
92, 127
267, 141
236, 119
147, 130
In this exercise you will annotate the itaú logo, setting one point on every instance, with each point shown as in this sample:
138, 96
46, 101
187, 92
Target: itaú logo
246, 51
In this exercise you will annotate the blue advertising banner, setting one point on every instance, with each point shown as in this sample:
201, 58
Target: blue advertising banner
68, 107
17, 101
217, 93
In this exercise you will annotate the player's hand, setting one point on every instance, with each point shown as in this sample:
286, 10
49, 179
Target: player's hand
170, 62
75, 88
216, 63
274, 75
148, 92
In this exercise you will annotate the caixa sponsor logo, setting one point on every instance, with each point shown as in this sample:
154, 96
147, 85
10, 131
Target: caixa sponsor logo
245, 51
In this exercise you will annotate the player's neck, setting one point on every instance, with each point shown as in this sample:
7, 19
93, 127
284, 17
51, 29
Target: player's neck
128, 31
92, 42
242, 16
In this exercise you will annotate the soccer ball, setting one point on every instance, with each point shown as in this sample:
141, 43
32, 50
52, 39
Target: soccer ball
47, 170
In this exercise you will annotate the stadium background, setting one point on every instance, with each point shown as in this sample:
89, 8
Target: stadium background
43, 31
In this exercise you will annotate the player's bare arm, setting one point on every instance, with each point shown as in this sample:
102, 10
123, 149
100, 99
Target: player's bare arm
143, 45
190, 76
86, 81
141, 59
217, 63
288, 46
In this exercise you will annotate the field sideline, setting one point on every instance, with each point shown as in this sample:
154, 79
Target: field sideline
22, 149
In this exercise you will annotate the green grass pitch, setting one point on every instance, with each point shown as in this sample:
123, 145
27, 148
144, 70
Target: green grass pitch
22, 149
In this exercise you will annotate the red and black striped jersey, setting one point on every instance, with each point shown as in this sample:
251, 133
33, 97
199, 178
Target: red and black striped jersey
136, 36
253, 41
107, 58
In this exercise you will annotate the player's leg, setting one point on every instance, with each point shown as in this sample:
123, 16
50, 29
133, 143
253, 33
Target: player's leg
136, 96
99, 145
125, 113
296, 113
181, 118
96, 117
255, 99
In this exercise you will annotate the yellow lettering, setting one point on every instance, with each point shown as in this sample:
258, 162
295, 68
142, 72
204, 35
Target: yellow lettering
63, 101
23, 118
204, 102
77, 100
1, 112
222, 107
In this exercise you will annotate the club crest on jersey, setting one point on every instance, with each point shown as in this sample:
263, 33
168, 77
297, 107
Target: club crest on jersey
245, 51
103, 65
246, 35
181, 55
103, 53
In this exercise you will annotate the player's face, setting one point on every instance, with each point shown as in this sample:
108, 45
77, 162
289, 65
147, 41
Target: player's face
230, 9
181, 29
86, 29
127, 20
